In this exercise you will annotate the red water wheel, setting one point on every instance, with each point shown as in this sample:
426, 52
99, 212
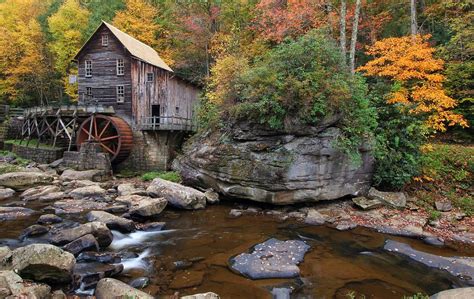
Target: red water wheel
113, 134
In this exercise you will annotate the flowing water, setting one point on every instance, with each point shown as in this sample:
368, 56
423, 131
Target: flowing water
195, 246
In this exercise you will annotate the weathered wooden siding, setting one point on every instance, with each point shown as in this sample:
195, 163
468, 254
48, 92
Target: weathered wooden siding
104, 78
166, 90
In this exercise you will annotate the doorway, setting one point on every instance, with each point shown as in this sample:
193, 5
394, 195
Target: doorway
155, 113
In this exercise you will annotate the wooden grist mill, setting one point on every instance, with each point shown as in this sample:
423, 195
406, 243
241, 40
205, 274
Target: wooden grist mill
130, 102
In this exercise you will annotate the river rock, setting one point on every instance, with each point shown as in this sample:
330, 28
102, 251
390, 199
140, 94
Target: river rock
37, 192
20, 181
461, 293
208, 295
34, 230
140, 282
11, 213
49, 219
393, 199
91, 175
443, 205
99, 257
313, 217
109, 288
75, 206
367, 204
6, 193
295, 164
43, 262
98, 229
84, 243
87, 275
271, 259
143, 206
112, 221
79, 183
211, 197
88, 191
461, 267
14, 286
177, 195
130, 189
151, 226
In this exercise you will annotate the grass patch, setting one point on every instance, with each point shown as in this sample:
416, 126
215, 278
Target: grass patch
19, 162
447, 173
32, 144
126, 173
172, 176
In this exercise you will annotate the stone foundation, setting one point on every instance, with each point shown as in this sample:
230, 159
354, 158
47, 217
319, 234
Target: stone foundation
152, 150
40, 155
90, 156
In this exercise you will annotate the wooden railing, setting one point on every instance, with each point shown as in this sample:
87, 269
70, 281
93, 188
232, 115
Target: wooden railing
167, 123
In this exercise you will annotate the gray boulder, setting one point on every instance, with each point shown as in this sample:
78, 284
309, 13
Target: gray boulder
75, 206
84, 243
443, 205
367, 204
5, 254
6, 193
177, 195
112, 221
143, 206
43, 262
49, 219
130, 189
87, 275
11, 284
98, 229
88, 191
393, 199
91, 175
37, 192
34, 230
271, 259
211, 197
109, 288
296, 164
20, 181
461, 293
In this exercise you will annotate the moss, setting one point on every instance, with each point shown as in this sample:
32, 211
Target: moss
33, 143
172, 176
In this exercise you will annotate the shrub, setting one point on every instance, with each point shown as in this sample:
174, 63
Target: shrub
165, 175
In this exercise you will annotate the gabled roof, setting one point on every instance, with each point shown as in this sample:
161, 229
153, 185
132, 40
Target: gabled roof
135, 47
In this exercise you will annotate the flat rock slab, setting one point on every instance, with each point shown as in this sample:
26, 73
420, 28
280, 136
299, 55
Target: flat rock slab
271, 259
20, 181
75, 206
11, 213
461, 267
367, 204
393, 199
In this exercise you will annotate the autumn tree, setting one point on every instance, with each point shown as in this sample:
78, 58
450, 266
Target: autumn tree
139, 19
417, 76
67, 28
23, 65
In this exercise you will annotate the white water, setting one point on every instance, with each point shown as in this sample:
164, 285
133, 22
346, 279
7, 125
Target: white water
133, 239
137, 263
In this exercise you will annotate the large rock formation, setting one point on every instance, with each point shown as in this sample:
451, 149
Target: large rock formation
301, 164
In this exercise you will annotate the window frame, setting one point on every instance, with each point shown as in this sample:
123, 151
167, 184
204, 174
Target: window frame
152, 77
120, 98
88, 68
88, 91
120, 67
105, 39
176, 110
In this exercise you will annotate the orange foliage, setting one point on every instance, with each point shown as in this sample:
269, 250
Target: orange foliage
277, 20
409, 62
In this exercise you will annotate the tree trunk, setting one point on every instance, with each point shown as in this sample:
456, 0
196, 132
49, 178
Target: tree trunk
355, 25
414, 26
342, 35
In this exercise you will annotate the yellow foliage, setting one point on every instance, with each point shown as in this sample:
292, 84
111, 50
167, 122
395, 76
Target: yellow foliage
67, 26
22, 60
138, 19
409, 62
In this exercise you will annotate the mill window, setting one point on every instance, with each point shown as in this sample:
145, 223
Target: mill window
120, 67
89, 91
120, 93
105, 40
88, 68
149, 77
177, 110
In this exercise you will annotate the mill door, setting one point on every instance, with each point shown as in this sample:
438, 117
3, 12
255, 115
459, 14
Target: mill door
155, 113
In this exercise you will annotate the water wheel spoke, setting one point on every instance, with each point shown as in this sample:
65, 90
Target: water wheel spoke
107, 148
110, 138
95, 126
105, 128
87, 132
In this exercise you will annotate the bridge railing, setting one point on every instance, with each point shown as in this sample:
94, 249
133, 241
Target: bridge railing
168, 123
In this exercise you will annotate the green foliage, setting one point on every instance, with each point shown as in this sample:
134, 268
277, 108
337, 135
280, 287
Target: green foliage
165, 175
399, 136
417, 296
435, 215
32, 143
